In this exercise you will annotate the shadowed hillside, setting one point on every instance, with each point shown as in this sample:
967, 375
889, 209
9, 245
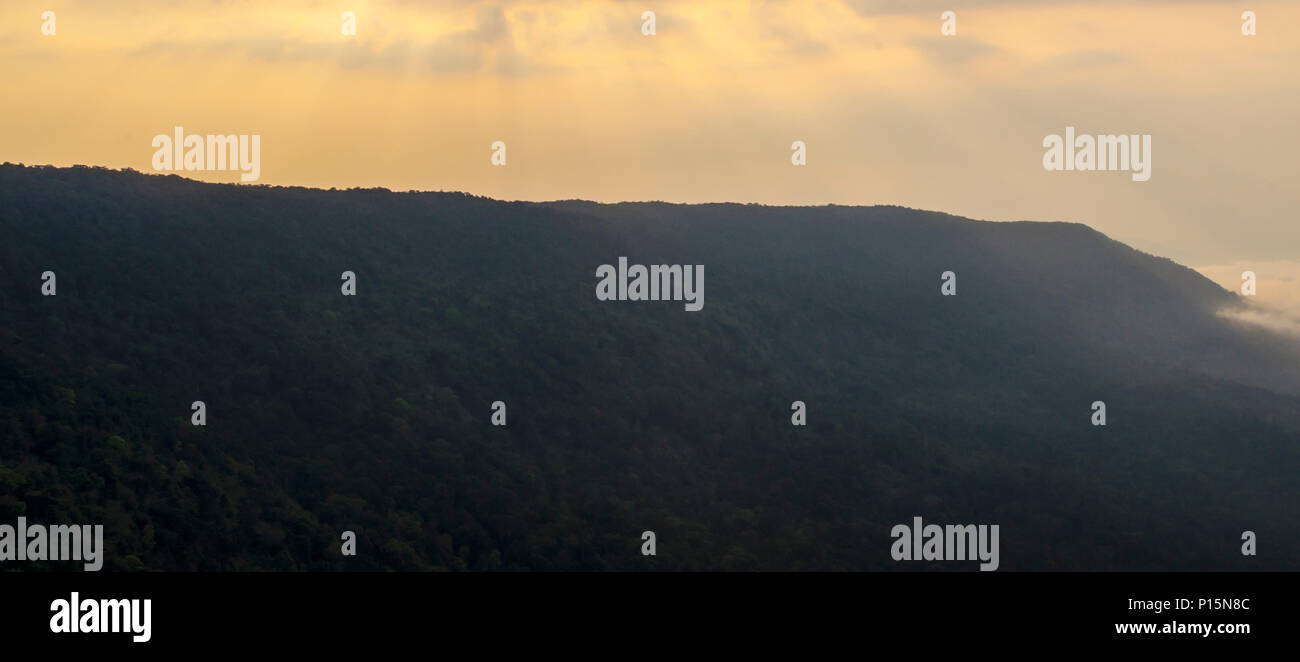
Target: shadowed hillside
371, 413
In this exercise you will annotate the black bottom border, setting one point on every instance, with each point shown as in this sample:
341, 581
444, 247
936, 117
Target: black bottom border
566, 612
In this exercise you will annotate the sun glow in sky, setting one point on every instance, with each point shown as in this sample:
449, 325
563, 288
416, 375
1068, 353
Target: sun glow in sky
706, 109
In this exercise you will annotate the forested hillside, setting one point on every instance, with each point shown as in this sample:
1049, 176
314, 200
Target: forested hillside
370, 413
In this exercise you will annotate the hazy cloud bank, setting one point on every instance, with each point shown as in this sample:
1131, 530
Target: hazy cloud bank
1276, 304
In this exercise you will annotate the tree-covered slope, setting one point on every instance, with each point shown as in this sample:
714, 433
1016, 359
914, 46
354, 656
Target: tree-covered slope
371, 413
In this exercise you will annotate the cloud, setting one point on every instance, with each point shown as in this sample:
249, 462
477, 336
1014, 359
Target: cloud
1276, 303
881, 7
1088, 58
789, 39
1274, 320
949, 51
458, 50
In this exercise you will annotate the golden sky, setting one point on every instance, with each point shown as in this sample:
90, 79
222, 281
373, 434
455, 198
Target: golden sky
706, 109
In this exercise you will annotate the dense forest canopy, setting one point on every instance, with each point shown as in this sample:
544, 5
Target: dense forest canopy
370, 413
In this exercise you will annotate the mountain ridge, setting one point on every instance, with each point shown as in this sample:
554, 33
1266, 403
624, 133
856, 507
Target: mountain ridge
371, 413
